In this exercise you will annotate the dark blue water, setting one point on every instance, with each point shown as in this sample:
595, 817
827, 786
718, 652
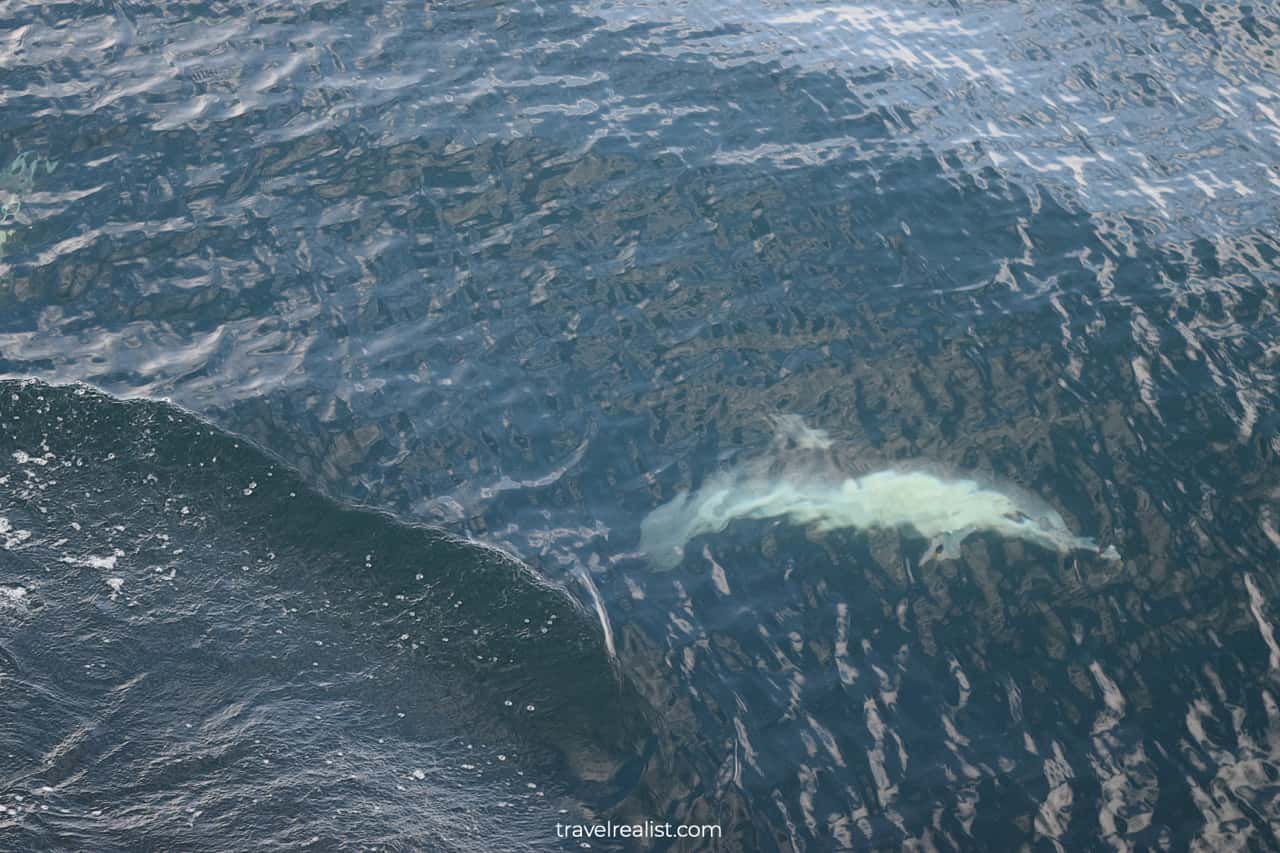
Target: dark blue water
345, 346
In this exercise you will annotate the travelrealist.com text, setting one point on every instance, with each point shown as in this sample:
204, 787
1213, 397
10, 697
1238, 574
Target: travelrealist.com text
646, 829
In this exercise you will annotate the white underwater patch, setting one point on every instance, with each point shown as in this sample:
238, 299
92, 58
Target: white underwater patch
800, 481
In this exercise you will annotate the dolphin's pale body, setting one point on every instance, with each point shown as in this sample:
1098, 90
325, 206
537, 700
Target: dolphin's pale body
796, 481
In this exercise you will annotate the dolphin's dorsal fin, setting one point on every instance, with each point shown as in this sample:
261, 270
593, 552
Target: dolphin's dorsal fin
945, 546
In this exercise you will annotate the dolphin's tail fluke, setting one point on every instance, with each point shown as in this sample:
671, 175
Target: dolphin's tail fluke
664, 532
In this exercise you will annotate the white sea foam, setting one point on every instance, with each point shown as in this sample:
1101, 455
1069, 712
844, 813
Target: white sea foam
799, 480
92, 561
12, 594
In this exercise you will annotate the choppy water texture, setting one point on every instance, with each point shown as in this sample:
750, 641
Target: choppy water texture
359, 282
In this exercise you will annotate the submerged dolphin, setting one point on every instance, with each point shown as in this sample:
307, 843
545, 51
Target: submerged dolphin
797, 481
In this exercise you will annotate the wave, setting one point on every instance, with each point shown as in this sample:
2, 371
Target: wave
163, 523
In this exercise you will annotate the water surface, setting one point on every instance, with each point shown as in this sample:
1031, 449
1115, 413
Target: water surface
466, 290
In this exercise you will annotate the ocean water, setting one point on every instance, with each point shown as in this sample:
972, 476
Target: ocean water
346, 347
